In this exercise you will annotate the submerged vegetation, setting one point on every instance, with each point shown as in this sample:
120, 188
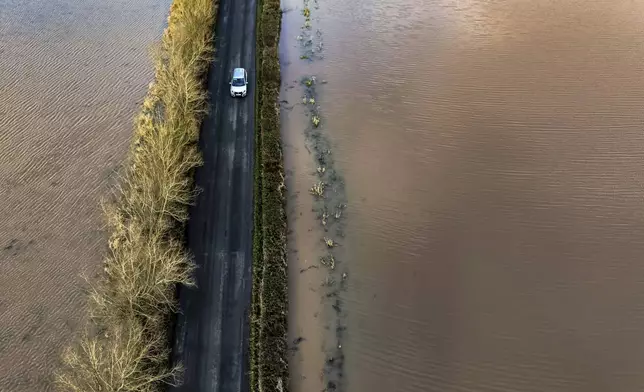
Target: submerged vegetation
126, 345
268, 345
329, 198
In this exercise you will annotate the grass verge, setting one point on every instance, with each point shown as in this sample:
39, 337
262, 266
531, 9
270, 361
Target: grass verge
126, 344
268, 345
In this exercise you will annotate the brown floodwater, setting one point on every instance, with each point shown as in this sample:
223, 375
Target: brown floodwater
72, 73
493, 153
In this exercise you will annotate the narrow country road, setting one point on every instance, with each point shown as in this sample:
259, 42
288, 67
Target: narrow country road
211, 336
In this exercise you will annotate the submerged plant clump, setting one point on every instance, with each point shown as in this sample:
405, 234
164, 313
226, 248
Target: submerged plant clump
318, 189
311, 43
328, 260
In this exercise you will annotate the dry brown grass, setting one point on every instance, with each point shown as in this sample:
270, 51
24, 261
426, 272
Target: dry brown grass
126, 346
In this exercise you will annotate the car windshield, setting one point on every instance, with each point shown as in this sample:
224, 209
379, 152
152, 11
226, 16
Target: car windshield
238, 82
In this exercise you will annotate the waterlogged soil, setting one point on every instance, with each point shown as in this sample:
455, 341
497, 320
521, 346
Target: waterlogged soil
72, 74
492, 153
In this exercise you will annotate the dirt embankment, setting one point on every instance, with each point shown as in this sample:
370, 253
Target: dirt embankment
268, 345
126, 346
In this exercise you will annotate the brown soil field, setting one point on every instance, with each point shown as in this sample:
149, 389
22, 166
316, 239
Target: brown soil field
72, 75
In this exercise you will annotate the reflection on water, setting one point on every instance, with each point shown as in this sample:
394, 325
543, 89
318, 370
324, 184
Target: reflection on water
493, 153
71, 73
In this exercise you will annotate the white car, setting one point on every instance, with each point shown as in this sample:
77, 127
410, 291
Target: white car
239, 83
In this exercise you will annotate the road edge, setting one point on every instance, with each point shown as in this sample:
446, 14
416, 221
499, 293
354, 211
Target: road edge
268, 331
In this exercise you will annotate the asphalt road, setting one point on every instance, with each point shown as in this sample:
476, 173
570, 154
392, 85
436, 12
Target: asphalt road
211, 334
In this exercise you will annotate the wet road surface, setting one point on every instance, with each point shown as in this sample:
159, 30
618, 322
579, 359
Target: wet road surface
211, 339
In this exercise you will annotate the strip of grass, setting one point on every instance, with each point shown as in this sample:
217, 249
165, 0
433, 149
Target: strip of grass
126, 345
268, 345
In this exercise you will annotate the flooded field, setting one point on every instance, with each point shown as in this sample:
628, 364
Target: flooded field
492, 154
72, 74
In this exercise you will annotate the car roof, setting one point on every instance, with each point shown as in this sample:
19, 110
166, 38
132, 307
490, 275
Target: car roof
238, 73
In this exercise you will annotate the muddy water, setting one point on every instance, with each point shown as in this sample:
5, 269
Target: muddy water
493, 154
71, 75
